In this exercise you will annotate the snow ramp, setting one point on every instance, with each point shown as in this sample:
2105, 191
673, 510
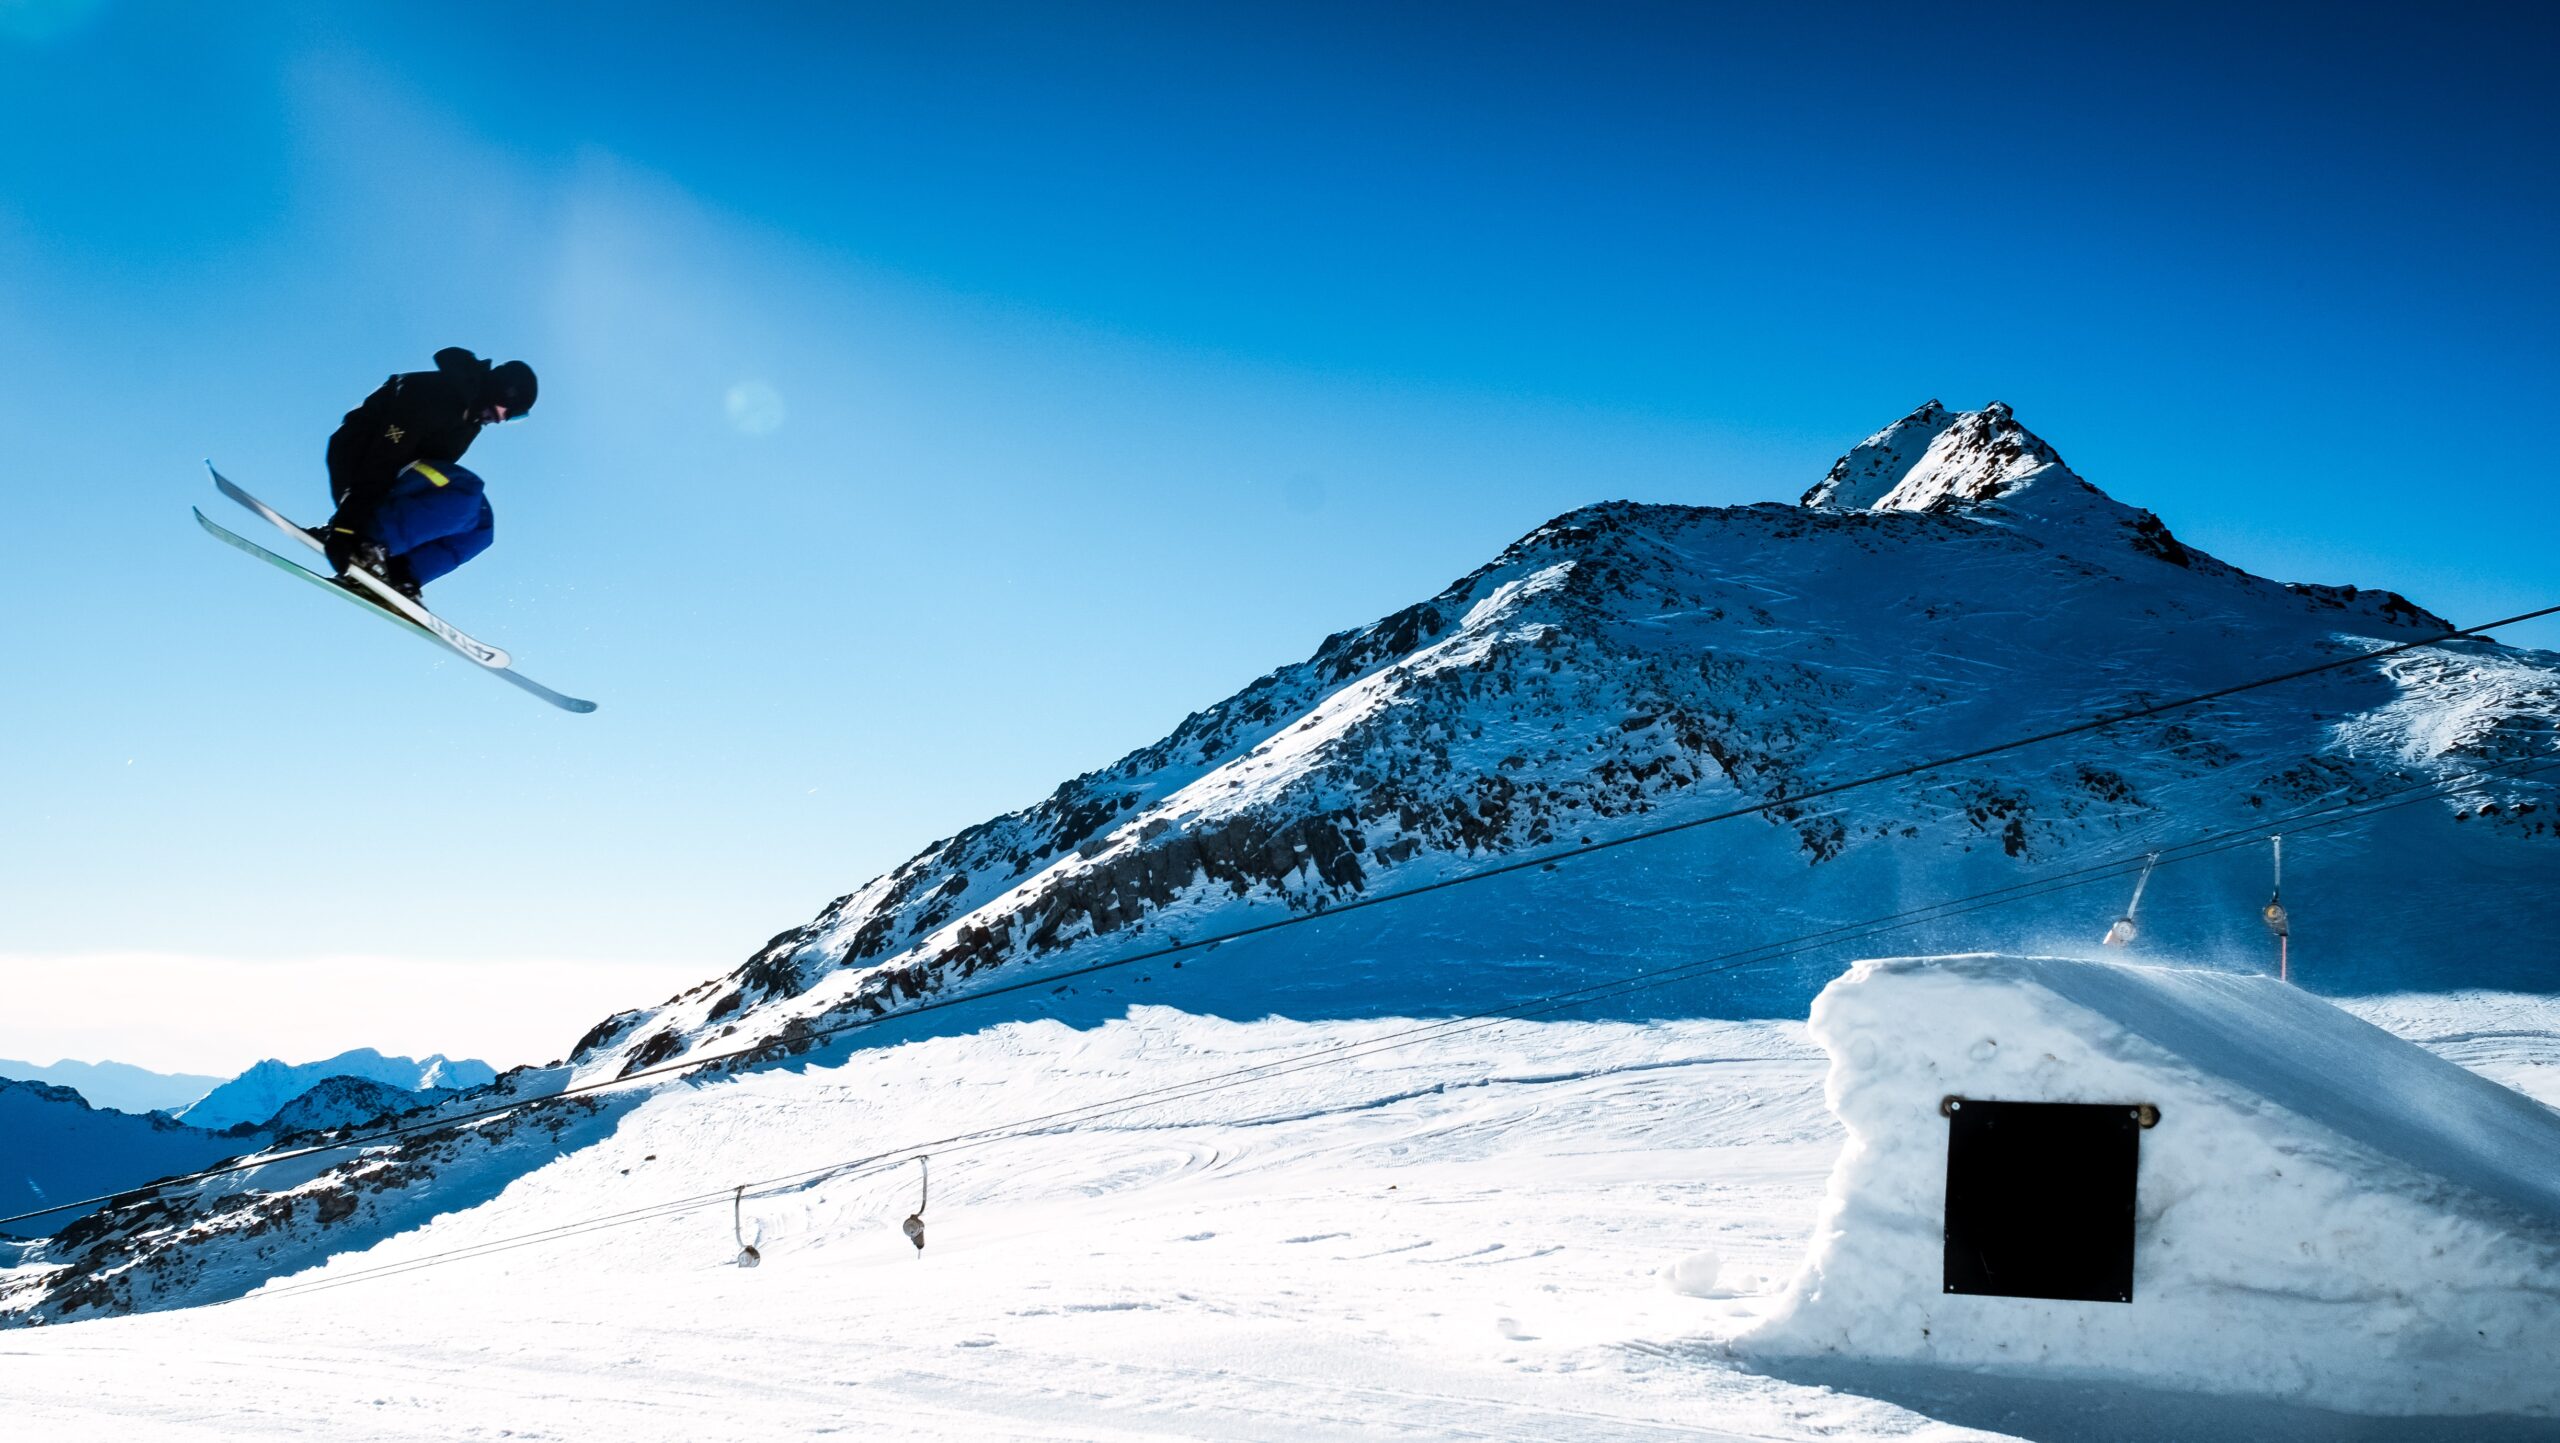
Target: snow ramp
2321, 1213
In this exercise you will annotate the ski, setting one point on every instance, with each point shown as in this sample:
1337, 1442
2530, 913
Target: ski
327, 584
480, 651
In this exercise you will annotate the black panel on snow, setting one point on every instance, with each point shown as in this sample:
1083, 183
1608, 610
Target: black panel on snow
2040, 1198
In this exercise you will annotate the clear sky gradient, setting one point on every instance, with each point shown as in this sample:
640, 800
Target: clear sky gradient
939, 401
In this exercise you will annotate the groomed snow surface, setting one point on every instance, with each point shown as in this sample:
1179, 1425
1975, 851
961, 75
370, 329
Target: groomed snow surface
2322, 1210
1537, 1231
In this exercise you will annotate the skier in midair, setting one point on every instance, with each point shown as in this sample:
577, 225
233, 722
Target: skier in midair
405, 512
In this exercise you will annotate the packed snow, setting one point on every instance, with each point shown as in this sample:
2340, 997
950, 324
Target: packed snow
1525, 1231
2322, 1209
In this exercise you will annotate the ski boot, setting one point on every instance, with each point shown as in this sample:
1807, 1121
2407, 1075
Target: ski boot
351, 555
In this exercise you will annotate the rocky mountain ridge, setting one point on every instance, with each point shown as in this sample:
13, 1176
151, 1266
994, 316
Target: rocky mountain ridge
336, 1102
264, 1088
1634, 662
56, 1146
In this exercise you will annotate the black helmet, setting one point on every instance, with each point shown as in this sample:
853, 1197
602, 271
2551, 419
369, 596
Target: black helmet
510, 385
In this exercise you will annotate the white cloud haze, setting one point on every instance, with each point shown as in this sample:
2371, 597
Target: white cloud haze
178, 1013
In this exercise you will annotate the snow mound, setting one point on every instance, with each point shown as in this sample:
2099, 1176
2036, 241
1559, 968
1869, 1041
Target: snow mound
2325, 1213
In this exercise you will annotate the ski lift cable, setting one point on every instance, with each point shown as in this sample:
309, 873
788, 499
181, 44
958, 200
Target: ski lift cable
463, 1118
1780, 950
561, 1233
884, 1162
478, 1114
891, 1159
1620, 987
1608, 989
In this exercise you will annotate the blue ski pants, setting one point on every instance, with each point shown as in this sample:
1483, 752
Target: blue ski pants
434, 517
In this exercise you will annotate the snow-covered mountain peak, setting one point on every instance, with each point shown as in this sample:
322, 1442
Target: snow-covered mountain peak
1940, 460
256, 1094
1878, 464
1985, 466
1624, 663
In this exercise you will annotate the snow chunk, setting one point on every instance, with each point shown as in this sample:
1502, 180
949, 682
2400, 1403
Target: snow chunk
1697, 1276
2326, 1214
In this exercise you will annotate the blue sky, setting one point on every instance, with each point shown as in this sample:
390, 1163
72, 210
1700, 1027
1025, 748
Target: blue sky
1088, 362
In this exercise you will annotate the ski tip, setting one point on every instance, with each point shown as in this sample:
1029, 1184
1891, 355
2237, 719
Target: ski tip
565, 702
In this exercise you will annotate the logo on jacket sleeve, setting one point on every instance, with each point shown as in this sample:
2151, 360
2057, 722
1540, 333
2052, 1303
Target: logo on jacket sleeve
394, 434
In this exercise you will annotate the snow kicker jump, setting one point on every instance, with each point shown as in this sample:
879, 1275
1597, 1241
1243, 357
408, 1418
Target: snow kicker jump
377, 597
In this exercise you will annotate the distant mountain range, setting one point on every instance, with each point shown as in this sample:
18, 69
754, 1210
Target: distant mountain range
260, 1092
56, 1146
118, 1085
257, 1094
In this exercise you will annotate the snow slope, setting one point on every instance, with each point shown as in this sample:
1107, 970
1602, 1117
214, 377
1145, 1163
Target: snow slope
118, 1085
2323, 1210
54, 1146
256, 1094
1624, 666
1540, 1231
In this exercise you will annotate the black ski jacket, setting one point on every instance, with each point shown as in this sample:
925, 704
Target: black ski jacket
416, 416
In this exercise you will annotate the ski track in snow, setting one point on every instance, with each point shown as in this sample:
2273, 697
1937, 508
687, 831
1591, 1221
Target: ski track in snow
1464, 1240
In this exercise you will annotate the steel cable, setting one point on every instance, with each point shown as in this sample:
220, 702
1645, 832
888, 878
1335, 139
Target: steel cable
1048, 979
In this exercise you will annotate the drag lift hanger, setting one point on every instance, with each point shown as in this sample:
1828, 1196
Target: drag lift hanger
2277, 921
2124, 930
